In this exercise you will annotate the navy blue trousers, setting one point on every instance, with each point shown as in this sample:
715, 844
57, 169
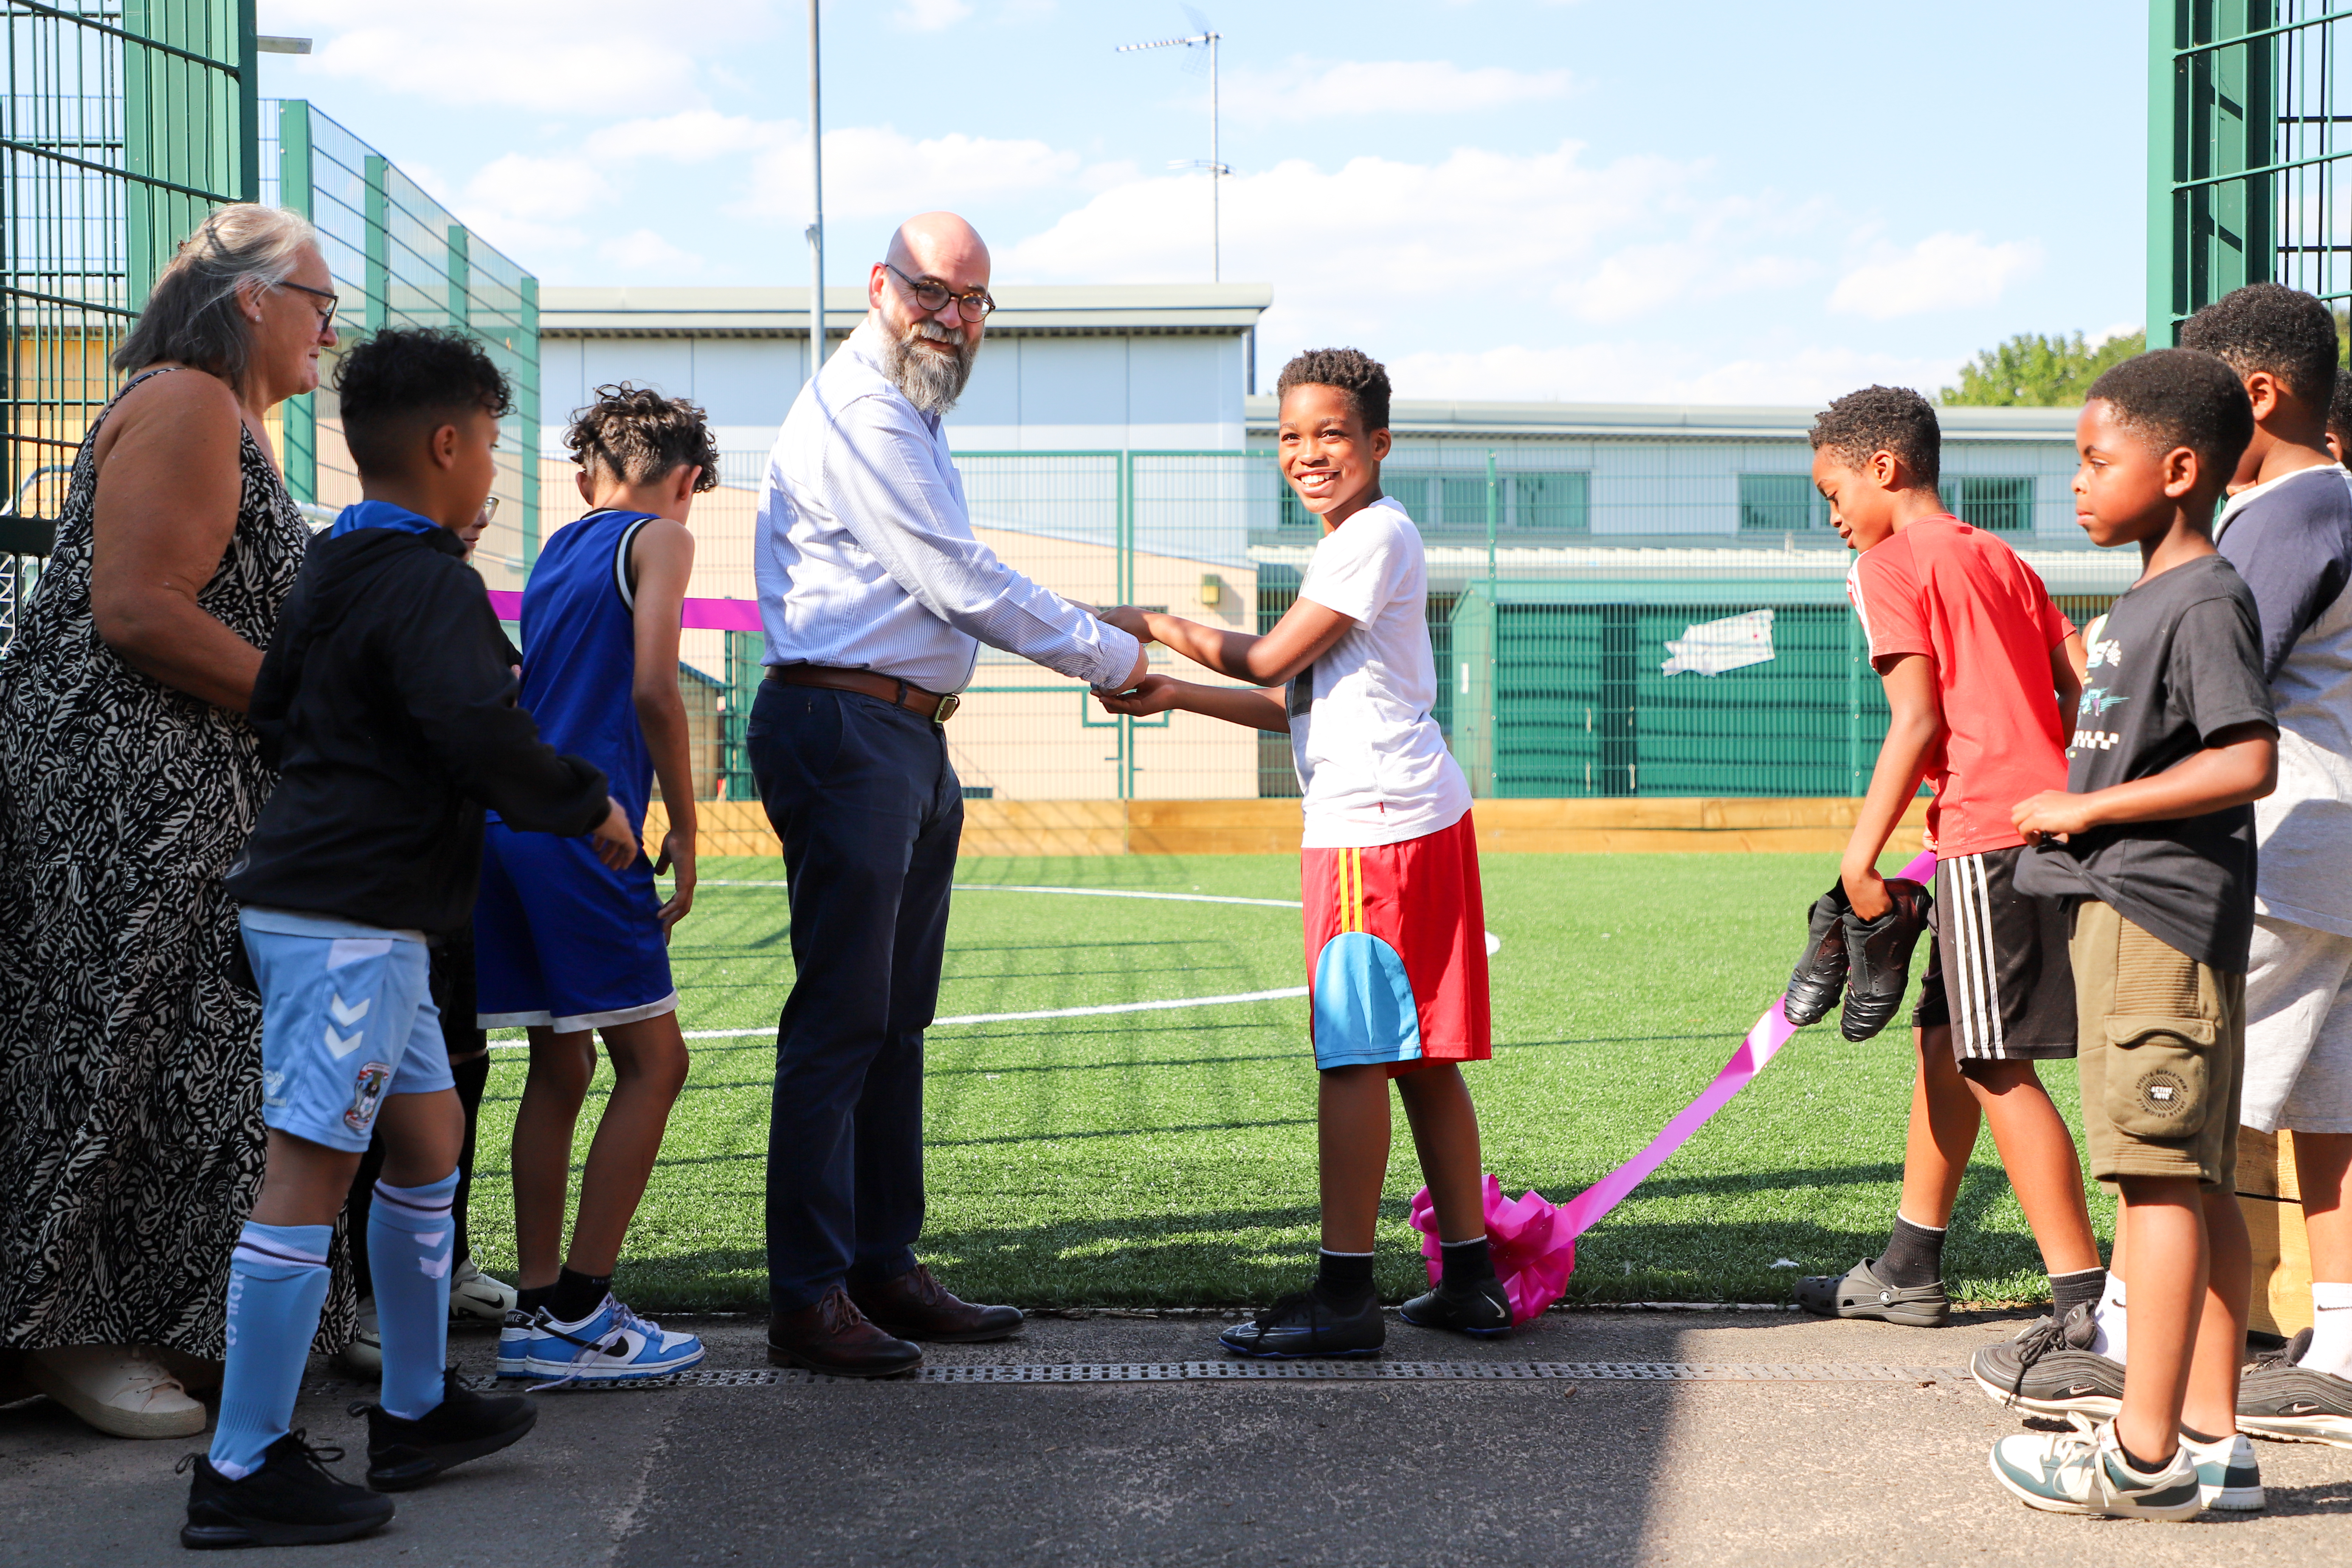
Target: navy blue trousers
870, 812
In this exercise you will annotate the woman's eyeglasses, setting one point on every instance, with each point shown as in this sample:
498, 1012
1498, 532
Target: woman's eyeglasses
327, 310
933, 296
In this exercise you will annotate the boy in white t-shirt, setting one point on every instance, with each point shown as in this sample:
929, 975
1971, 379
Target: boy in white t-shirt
1396, 934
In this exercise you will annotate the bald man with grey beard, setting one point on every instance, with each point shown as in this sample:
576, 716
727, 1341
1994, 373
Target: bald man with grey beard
876, 596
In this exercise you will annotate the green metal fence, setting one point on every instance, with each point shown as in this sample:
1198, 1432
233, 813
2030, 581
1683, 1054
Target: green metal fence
400, 258
1568, 668
2249, 130
124, 122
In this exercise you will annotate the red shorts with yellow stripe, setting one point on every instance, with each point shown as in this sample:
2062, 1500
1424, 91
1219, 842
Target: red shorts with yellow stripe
1396, 953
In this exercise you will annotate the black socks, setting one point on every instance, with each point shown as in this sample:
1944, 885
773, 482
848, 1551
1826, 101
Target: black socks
1914, 1257
1466, 1262
2081, 1289
529, 1298
1344, 1279
573, 1296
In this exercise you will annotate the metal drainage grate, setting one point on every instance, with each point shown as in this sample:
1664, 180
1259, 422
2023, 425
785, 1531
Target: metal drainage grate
1287, 1372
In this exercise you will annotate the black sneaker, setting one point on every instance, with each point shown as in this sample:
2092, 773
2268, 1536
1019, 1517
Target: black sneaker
1305, 1323
1820, 974
2278, 1399
2051, 1369
1878, 958
1481, 1306
403, 1455
1859, 1293
291, 1499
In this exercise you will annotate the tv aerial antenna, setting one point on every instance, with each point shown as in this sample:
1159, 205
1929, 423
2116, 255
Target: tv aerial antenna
1202, 36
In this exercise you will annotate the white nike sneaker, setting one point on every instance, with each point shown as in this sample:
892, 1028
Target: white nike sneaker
2227, 1474
123, 1390
475, 1295
2084, 1471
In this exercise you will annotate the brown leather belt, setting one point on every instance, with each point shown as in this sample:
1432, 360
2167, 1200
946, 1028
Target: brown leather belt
933, 705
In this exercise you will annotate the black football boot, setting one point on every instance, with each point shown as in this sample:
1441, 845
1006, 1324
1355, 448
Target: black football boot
1820, 973
1878, 958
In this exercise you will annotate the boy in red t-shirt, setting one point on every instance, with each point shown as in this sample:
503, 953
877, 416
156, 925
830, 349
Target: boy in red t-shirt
1978, 666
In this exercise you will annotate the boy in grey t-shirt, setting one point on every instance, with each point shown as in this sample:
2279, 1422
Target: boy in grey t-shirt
2288, 530
2152, 844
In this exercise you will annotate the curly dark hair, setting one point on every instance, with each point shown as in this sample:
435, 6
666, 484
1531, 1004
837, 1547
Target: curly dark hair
2181, 397
2270, 327
637, 435
398, 384
1352, 371
1883, 419
2339, 414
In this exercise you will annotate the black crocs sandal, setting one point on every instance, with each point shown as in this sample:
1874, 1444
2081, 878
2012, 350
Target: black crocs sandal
1859, 1293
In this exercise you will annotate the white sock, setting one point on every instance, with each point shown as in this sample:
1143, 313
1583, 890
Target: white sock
2114, 1328
2331, 1330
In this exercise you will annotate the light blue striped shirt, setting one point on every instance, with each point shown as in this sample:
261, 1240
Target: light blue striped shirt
864, 554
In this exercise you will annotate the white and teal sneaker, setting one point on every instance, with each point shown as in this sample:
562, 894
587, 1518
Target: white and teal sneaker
611, 1344
2083, 1471
474, 1296
514, 1344
2227, 1474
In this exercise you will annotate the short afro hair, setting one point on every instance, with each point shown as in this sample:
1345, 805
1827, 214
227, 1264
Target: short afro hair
398, 384
2270, 327
2181, 397
1883, 419
637, 436
1352, 371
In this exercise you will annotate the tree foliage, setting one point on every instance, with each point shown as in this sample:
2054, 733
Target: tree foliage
2031, 371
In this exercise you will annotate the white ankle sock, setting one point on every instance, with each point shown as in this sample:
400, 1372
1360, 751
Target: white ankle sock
2331, 1330
2114, 1329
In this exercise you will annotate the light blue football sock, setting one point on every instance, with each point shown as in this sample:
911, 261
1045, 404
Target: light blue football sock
410, 1238
276, 1283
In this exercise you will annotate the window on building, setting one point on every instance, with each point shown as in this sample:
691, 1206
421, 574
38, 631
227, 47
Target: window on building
1551, 503
1781, 503
1996, 505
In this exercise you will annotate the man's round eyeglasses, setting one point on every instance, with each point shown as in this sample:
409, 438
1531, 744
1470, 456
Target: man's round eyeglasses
327, 310
933, 296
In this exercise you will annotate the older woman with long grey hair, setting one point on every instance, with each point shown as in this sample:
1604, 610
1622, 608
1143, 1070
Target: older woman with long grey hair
130, 1134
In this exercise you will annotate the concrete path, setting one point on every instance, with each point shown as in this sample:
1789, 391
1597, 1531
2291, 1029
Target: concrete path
1595, 1470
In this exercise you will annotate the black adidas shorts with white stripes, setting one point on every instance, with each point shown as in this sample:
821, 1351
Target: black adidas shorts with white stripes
1997, 966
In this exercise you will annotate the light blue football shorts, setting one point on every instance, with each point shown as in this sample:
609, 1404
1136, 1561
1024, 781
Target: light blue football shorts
347, 1017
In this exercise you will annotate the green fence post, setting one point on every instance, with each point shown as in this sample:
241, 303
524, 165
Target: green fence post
294, 194
377, 283
249, 106
527, 406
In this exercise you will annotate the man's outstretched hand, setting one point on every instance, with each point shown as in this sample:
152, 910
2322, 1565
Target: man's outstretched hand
615, 843
1152, 694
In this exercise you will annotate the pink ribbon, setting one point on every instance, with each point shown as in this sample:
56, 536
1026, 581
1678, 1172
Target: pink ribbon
701, 615
1535, 1243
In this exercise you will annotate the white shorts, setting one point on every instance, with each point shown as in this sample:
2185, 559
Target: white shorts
2298, 1030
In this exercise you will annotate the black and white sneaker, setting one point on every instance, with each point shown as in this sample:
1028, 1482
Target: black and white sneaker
1305, 1323
1878, 958
403, 1455
1482, 1307
1820, 974
1859, 1293
2051, 1369
2293, 1403
290, 1499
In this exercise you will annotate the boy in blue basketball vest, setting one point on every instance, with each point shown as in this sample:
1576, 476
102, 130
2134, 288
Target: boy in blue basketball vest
386, 703
568, 947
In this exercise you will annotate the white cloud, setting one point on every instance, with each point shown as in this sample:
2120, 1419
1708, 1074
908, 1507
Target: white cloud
558, 55
873, 170
643, 250
1942, 272
1383, 87
930, 15
691, 136
522, 186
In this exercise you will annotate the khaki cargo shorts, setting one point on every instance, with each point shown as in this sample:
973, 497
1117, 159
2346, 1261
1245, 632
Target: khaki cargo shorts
2162, 1051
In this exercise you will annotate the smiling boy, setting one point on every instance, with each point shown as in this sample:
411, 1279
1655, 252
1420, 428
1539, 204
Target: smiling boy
1978, 666
2152, 845
1396, 953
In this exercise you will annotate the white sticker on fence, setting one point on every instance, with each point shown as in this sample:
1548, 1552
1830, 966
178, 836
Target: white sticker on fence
1710, 648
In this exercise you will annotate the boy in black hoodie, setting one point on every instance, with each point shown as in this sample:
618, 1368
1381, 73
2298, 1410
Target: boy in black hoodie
386, 703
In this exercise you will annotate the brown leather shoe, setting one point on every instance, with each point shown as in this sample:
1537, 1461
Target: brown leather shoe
915, 1306
832, 1336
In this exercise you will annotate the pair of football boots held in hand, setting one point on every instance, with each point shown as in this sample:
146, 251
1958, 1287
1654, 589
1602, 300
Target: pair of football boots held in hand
1869, 960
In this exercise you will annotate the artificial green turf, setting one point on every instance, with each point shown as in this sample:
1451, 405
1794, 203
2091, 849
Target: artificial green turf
1168, 1157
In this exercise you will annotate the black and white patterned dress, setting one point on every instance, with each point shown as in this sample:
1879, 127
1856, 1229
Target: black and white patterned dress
131, 1133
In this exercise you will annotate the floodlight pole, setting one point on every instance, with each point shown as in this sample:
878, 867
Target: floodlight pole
816, 201
1217, 169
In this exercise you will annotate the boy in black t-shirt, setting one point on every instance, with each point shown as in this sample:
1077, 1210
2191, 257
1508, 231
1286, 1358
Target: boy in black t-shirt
2152, 843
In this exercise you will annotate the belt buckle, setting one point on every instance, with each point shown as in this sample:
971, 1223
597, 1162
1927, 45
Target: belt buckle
946, 710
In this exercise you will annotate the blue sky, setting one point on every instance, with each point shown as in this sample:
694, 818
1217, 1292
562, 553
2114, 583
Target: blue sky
1739, 203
